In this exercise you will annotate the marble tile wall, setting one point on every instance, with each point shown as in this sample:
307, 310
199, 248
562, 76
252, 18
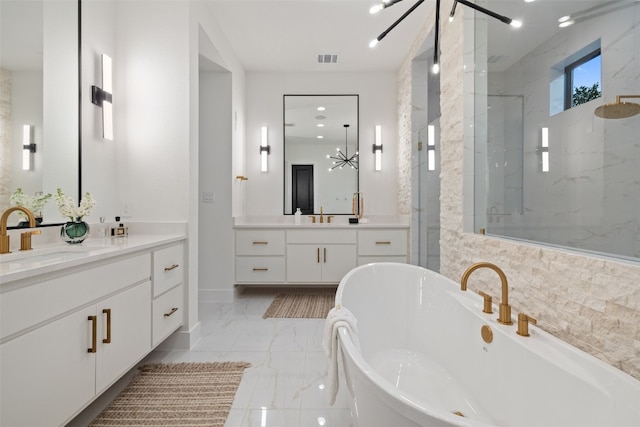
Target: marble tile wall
590, 302
587, 199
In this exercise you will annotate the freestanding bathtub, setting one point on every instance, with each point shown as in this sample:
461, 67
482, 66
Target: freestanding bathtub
422, 359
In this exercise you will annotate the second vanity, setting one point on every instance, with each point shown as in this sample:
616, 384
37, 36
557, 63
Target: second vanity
74, 319
271, 252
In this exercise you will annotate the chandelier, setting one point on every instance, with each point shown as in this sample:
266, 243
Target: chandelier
436, 67
342, 159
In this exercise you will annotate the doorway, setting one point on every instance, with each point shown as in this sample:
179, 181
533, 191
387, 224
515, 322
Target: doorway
302, 188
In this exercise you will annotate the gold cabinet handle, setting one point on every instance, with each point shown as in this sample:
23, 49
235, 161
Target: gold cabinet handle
260, 269
94, 333
107, 311
173, 310
173, 267
383, 243
325, 255
260, 243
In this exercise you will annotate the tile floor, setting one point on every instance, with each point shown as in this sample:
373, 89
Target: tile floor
284, 386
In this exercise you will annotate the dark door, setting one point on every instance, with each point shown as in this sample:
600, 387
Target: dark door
302, 188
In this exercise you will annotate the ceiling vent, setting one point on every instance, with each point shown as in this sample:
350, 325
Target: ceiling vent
327, 59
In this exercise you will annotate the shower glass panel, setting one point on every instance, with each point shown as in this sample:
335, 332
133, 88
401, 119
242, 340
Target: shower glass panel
568, 179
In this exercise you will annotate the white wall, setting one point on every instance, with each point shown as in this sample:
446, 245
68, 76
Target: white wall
100, 169
265, 191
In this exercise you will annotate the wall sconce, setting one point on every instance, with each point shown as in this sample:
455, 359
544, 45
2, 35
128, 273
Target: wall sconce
28, 147
102, 97
377, 148
544, 149
431, 147
265, 149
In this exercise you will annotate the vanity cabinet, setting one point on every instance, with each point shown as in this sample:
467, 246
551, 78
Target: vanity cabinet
260, 256
320, 256
168, 291
382, 245
65, 337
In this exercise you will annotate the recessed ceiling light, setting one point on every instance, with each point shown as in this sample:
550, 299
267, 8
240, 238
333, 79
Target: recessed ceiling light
320, 125
564, 18
320, 136
321, 117
321, 108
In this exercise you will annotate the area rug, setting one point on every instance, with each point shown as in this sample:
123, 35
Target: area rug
305, 306
177, 395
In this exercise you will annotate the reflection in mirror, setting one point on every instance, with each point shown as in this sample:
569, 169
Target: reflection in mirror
548, 167
320, 153
39, 85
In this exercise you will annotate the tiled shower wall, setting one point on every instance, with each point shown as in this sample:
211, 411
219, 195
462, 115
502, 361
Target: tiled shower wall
592, 303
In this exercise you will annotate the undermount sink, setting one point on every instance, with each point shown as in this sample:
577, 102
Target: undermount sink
57, 253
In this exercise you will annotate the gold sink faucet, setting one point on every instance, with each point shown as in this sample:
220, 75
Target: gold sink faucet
321, 217
505, 308
25, 241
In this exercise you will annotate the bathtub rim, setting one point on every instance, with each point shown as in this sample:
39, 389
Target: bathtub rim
395, 397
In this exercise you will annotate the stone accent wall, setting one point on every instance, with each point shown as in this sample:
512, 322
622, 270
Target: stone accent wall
5, 139
592, 303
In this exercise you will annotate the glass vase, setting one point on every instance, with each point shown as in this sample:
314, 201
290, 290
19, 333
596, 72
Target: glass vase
74, 232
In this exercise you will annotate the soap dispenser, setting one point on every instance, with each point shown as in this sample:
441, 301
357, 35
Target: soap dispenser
298, 216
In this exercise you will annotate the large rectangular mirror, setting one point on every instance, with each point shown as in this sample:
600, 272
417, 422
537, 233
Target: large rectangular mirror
39, 73
320, 153
550, 166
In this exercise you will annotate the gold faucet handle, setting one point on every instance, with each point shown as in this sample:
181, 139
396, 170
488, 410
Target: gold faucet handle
487, 308
25, 239
313, 219
329, 218
523, 324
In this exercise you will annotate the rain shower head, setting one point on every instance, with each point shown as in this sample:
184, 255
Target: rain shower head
618, 110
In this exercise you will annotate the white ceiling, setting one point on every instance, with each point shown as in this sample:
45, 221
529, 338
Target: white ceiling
288, 35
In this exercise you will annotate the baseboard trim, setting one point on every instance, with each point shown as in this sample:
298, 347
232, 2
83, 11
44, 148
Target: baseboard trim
182, 340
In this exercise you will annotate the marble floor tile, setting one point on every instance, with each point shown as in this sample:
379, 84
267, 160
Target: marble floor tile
285, 385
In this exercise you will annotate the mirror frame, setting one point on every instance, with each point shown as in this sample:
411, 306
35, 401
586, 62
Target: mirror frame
79, 130
284, 156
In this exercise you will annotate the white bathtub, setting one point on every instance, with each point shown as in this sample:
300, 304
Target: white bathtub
423, 358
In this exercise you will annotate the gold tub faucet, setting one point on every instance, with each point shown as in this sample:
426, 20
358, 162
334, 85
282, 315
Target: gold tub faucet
25, 243
505, 308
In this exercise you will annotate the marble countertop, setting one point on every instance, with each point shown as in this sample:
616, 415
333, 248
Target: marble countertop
49, 258
338, 221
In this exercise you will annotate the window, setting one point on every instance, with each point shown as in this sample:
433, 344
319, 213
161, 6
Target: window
576, 80
582, 80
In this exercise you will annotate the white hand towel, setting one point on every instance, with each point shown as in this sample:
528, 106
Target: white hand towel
337, 317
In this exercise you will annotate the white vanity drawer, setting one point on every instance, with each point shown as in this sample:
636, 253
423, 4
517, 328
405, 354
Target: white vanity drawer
260, 242
382, 242
259, 269
167, 314
168, 268
30, 305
